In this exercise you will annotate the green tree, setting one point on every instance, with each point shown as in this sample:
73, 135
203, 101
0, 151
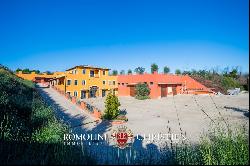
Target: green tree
48, 72
154, 67
225, 71
142, 91
114, 72
27, 71
185, 72
166, 70
129, 71
111, 107
233, 73
177, 71
18, 69
36, 71
122, 72
139, 70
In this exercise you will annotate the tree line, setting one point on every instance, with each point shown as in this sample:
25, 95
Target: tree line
28, 71
234, 72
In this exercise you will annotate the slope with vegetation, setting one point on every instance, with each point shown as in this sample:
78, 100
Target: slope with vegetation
220, 82
29, 131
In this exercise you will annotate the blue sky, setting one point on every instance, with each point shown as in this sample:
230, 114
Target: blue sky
121, 34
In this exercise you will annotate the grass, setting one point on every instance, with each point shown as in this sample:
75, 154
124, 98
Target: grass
215, 148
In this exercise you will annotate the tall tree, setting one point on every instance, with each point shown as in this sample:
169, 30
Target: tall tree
48, 72
18, 69
114, 72
177, 71
122, 72
27, 71
129, 71
154, 67
139, 70
166, 70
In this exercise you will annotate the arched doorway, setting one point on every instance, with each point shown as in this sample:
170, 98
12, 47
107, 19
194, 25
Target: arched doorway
93, 91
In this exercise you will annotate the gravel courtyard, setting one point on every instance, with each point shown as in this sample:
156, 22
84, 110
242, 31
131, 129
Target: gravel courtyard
171, 115
190, 114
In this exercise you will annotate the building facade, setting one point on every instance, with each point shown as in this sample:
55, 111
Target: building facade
38, 78
161, 85
86, 82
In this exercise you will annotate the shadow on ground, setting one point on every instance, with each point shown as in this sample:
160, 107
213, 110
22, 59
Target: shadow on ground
244, 111
103, 151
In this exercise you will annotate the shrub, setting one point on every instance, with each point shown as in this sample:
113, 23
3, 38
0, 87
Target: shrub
142, 91
52, 132
228, 83
111, 107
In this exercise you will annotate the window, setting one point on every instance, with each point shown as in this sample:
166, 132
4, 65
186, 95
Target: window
103, 72
110, 82
68, 82
75, 93
122, 83
83, 71
103, 93
83, 82
83, 94
75, 82
113, 82
92, 73
118, 83
103, 82
151, 83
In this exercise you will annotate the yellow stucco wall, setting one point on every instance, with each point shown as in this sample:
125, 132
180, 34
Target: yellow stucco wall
76, 74
32, 75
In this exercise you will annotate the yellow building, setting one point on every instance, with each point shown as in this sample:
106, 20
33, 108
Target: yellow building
86, 81
41, 77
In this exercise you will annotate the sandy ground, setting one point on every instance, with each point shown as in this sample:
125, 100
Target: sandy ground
183, 116
182, 113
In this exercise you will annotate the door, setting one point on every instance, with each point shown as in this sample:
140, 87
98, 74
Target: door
174, 90
164, 91
93, 91
83, 94
132, 91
